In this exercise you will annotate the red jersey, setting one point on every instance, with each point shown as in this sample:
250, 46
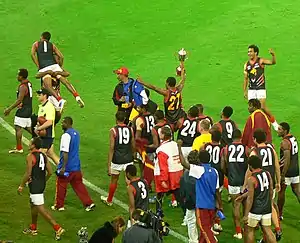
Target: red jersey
258, 119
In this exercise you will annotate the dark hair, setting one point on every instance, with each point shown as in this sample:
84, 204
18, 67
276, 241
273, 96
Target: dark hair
193, 157
120, 116
216, 136
46, 35
193, 111
285, 126
147, 92
37, 142
23, 72
146, 106
205, 125
159, 114
260, 135
237, 134
137, 214
255, 48
68, 120
117, 222
131, 170
204, 157
200, 107
171, 81
255, 103
227, 111
167, 132
255, 162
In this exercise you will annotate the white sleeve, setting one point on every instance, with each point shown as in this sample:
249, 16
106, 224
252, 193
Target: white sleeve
144, 97
196, 171
65, 142
218, 182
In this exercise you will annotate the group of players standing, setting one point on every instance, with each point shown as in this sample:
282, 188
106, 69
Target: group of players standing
246, 162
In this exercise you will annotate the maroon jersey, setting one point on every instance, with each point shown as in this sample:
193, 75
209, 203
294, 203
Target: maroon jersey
173, 106
256, 75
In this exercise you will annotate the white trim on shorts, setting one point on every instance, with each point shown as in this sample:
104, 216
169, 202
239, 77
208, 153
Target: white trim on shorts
37, 199
260, 218
257, 94
22, 122
53, 68
234, 190
292, 180
116, 169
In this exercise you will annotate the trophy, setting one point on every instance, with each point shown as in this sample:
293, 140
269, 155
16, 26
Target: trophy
182, 55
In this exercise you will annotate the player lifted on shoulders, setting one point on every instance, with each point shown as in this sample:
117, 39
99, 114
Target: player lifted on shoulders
172, 96
254, 79
289, 164
47, 57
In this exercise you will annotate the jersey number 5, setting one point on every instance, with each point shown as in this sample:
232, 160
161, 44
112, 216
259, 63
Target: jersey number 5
174, 102
141, 185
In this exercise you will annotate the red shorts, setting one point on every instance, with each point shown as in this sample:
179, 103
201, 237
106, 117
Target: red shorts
174, 179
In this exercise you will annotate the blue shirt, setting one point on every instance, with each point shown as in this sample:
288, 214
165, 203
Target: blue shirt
70, 144
207, 184
132, 91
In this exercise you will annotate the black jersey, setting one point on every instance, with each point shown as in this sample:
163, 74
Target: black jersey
173, 106
267, 156
236, 154
38, 173
25, 108
227, 128
204, 117
141, 194
256, 75
122, 151
293, 169
45, 53
188, 131
148, 121
160, 125
214, 151
262, 201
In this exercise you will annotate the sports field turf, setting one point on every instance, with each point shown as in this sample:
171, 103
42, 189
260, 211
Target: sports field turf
99, 36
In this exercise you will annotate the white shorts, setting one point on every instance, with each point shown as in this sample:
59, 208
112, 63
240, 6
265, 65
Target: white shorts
22, 122
54, 102
54, 68
264, 219
37, 199
116, 169
186, 151
257, 94
292, 180
234, 189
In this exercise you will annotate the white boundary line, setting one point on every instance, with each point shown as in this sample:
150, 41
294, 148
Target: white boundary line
95, 188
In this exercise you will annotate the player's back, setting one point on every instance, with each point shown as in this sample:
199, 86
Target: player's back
45, 53
157, 128
266, 153
188, 131
25, 108
236, 154
173, 106
205, 117
227, 127
149, 123
215, 152
293, 169
122, 150
38, 173
262, 202
141, 194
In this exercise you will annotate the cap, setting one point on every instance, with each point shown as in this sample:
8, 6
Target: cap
43, 91
122, 70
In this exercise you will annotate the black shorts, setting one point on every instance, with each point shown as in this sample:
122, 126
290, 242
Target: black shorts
47, 142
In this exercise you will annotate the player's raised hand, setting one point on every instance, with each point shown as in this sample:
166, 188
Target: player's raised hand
271, 51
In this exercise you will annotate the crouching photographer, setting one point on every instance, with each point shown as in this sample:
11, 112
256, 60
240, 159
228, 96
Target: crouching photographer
147, 227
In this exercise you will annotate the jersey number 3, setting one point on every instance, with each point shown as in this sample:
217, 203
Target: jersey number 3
142, 186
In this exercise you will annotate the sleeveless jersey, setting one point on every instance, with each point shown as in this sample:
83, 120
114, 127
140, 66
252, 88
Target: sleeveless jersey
204, 117
45, 54
38, 173
256, 75
173, 106
141, 194
188, 131
266, 154
237, 163
262, 202
122, 150
215, 158
227, 129
147, 128
293, 169
25, 108
158, 127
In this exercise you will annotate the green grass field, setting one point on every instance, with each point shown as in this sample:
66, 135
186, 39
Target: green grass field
98, 36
